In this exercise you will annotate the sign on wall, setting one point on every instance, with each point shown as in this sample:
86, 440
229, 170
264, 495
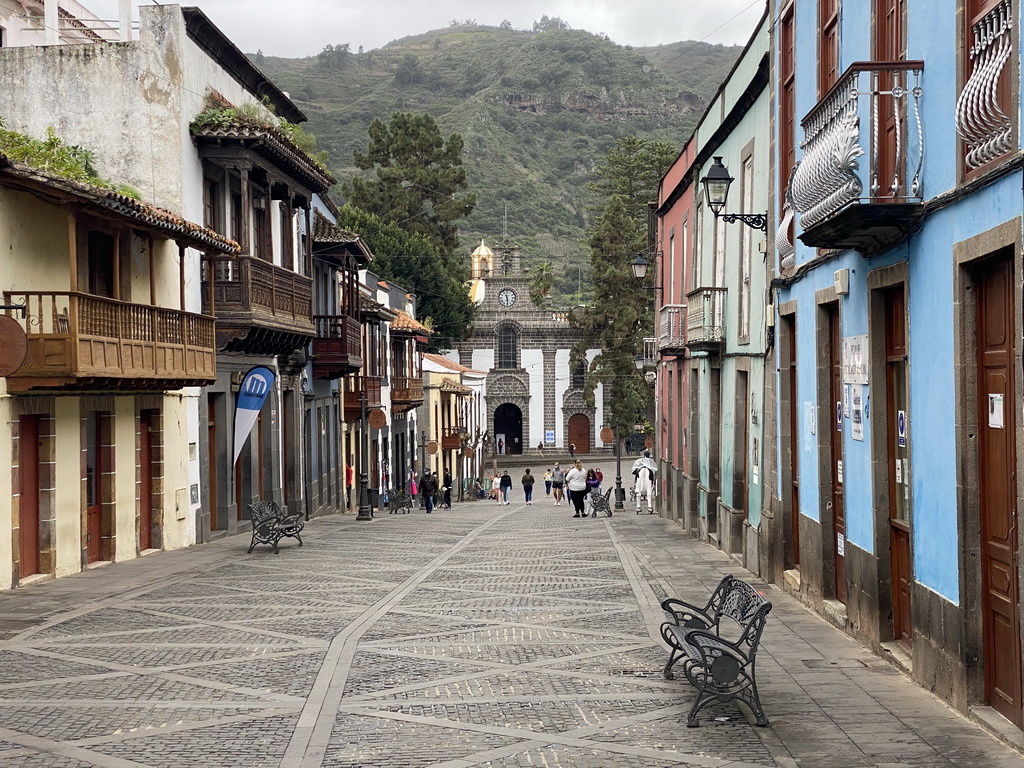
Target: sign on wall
549, 436
855, 359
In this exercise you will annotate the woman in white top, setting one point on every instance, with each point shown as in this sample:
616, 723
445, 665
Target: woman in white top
576, 482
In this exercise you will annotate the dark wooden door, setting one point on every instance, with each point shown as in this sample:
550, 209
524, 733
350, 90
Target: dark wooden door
94, 471
579, 432
211, 465
742, 447
898, 460
794, 439
28, 502
998, 482
889, 46
145, 480
834, 416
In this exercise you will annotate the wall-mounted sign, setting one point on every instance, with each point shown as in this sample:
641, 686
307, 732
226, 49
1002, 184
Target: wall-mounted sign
13, 345
857, 412
855, 359
901, 428
549, 436
378, 419
607, 434
995, 411
432, 447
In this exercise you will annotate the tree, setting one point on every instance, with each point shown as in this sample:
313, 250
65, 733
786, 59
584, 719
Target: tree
413, 262
417, 178
334, 56
409, 71
632, 170
505, 24
542, 280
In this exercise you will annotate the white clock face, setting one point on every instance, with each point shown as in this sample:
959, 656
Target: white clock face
506, 297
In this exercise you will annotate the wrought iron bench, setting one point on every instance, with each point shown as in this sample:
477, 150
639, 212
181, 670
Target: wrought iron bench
599, 503
270, 524
399, 501
720, 668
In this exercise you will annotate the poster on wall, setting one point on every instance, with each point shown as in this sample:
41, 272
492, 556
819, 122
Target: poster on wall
857, 412
995, 411
855, 359
549, 436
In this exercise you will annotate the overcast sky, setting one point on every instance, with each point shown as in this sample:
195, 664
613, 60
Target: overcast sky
297, 28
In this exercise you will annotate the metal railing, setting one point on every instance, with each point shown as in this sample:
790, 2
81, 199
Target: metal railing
847, 124
705, 316
672, 326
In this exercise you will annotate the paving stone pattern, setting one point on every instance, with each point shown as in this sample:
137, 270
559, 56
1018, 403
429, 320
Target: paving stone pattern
475, 637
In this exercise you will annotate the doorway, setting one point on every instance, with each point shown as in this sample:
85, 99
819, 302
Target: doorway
834, 413
508, 423
146, 419
212, 463
579, 432
997, 487
28, 501
791, 405
96, 468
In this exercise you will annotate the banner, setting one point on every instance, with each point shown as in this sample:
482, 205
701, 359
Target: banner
256, 385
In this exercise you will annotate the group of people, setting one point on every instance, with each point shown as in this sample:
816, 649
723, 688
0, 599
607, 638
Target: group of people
431, 491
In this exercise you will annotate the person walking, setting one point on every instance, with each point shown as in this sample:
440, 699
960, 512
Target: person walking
643, 481
412, 487
576, 482
447, 488
527, 481
547, 483
600, 479
428, 487
496, 487
572, 450
557, 483
506, 487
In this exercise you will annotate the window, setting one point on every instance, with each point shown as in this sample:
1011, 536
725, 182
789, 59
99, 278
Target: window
698, 248
671, 268
747, 244
579, 375
683, 253
828, 45
508, 347
787, 104
101, 263
211, 204
260, 226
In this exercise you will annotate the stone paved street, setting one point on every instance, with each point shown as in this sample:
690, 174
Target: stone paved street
488, 635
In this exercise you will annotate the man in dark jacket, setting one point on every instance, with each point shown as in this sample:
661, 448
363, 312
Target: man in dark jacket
447, 488
428, 487
506, 486
527, 481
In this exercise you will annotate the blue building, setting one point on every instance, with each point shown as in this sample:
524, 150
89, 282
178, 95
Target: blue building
896, 210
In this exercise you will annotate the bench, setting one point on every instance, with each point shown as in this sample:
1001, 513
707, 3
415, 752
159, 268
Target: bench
399, 501
599, 503
720, 668
270, 524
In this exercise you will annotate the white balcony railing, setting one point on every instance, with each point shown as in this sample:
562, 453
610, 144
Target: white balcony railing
873, 111
705, 316
672, 326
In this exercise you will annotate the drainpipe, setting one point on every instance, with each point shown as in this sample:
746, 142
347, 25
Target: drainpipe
51, 35
124, 16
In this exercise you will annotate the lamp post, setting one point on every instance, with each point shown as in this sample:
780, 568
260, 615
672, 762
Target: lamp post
618, 471
365, 512
716, 190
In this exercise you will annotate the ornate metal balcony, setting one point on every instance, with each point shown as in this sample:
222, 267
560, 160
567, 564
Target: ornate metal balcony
981, 110
872, 112
672, 329
84, 342
705, 321
406, 393
260, 308
451, 438
360, 386
337, 348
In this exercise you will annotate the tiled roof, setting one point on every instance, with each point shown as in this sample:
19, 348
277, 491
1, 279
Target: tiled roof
325, 232
457, 389
370, 308
405, 322
451, 365
143, 214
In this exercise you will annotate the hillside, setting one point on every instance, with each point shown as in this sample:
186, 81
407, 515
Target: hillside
537, 111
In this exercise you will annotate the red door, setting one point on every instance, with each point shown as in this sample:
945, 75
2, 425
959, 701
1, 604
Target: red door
579, 432
834, 415
998, 482
888, 47
145, 480
28, 503
94, 472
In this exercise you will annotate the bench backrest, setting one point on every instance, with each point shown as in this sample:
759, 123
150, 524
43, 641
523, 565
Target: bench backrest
741, 603
261, 511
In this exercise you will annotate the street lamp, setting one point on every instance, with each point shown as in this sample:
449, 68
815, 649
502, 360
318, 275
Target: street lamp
716, 191
365, 511
618, 471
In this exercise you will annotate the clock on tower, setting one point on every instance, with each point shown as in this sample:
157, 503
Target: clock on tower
506, 297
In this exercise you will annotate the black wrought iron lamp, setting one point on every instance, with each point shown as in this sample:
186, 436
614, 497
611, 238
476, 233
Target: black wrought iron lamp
716, 191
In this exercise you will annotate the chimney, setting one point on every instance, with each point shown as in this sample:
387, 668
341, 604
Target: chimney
124, 15
51, 35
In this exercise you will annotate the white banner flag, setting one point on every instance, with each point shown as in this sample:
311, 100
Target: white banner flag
256, 385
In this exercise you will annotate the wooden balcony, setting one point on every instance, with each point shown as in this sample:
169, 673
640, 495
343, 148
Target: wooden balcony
92, 343
451, 438
337, 348
705, 321
406, 393
672, 329
260, 308
359, 386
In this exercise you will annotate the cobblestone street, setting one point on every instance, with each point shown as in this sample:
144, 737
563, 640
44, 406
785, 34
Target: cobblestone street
484, 636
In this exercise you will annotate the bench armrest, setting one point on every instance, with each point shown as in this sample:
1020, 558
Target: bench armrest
686, 615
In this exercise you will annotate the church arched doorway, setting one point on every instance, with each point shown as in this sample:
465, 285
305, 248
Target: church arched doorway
579, 432
508, 429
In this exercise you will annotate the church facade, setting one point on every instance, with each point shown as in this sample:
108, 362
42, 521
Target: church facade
534, 387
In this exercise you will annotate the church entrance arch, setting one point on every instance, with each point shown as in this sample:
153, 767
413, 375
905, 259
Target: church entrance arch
579, 432
508, 429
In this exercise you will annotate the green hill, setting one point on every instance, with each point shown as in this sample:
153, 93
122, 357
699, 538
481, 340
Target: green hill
537, 111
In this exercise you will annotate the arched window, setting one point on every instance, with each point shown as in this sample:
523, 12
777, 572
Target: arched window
579, 374
508, 347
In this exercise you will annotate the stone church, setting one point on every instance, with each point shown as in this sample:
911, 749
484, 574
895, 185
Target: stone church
534, 391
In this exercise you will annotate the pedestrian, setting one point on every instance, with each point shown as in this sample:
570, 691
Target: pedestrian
496, 487
572, 450
557, 483
478, 488
506, 487
428, 487
447, 488
412, 486
527, 481
349, 472
540, 447
600, 479
576, 482
547, 482
643, 481
593, 488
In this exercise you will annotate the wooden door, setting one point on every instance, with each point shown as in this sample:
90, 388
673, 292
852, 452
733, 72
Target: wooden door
211, 463
145, 480
28, 502
794, 439
898, 460
579, 432
889, 47
94, 471
742, 447
998, 482
834, 415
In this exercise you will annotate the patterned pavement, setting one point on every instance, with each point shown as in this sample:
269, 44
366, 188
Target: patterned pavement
484, 636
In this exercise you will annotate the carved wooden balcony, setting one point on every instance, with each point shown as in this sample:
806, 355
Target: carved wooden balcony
358, 387
451, 438
337, 347
705, 321
672, 329
858, 184
84, 342
406, 393
260, 308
